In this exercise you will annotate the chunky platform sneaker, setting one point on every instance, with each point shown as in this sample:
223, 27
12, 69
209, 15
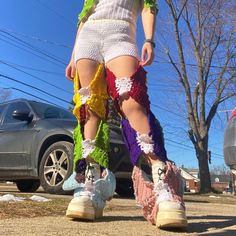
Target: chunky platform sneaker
89, 198
82, 208
171, 211
162, 203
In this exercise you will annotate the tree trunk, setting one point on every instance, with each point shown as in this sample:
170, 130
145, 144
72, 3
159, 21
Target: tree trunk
202, 155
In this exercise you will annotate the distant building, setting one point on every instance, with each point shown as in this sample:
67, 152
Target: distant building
191, 180
221, 182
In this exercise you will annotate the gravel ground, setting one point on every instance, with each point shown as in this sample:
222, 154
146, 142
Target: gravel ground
122, 217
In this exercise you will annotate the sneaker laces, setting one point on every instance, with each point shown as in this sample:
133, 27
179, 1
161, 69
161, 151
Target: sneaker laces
92, 174
161, 188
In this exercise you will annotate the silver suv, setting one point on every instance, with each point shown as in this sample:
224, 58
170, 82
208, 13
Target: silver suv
36, 147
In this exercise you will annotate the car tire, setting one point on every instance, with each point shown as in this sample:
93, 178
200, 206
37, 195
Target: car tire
28, 185
124, 187
56, 166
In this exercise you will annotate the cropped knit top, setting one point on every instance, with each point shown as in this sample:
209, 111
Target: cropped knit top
114, 9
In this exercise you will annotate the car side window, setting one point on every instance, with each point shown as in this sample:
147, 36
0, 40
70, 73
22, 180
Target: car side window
12, 107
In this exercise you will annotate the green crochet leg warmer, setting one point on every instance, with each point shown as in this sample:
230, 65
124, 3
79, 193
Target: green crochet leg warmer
100, 153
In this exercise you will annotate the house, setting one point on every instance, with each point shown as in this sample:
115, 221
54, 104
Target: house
221, 182
191, 182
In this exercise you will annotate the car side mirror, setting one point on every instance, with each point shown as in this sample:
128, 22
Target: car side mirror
23, 115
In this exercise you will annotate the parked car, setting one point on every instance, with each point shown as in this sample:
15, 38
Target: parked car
36, 147
230, 141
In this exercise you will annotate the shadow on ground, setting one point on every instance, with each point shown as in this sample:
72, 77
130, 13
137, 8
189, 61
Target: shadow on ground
212, 223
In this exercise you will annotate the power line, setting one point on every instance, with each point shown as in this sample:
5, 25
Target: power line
190, 64
40, 90
30, 94
34, 69
164, 109
34, 48
184, 145
36, 77
18, 47
36, 38
55, 12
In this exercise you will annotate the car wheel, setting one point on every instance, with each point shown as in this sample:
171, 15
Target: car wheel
27, 185
56, 166
124, 187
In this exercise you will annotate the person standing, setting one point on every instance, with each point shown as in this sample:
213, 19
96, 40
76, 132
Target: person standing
105, 62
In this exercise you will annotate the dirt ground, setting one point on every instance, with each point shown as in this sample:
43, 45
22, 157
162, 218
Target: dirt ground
206, 216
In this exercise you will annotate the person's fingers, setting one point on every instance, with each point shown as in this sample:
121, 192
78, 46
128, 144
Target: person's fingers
73, 71
144, 53
149, 57
68, 72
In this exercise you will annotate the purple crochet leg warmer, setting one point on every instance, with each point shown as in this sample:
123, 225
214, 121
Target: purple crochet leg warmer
156, 133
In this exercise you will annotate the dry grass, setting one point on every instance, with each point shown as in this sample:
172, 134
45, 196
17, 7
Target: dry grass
205, 198
31, 209
57, 206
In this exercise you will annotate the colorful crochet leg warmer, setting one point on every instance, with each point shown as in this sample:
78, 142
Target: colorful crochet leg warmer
92, 98
135, 87
146, 194
100, 151
130, 137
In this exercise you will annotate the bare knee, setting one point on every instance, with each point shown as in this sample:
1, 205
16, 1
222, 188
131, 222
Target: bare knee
131, 108
86, 69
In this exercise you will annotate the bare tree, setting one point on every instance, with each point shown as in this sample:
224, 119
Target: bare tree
4, 95
204, 35
220, 170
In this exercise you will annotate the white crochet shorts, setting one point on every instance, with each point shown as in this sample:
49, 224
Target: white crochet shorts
103, 40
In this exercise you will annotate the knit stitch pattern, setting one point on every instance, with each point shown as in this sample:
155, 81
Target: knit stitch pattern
147, 197
138, 89
96, 102
130, 138
100, 152
90, 4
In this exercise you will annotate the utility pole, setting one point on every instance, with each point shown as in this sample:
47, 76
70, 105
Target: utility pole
233, 171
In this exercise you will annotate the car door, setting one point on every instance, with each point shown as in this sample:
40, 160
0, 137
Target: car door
15, 141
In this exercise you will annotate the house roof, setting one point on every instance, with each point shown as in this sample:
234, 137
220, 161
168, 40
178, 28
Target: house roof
220, 178
186, 175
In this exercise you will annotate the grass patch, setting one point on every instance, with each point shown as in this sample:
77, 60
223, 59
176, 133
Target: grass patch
30, 209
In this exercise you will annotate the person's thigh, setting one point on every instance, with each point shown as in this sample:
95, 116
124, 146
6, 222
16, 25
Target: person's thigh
87, 69
123, 66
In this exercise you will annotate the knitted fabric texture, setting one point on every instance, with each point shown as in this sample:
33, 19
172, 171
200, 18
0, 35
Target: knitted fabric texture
150, 4
95, 102
147, 197
100, 152
138, 89
89, 5
130, 138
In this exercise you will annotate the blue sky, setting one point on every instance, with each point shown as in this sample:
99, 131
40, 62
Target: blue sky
46, 30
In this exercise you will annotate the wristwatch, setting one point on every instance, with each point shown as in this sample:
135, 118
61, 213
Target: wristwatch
151, 42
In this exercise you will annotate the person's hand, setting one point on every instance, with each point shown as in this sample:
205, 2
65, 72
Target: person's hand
147, 56
71, 70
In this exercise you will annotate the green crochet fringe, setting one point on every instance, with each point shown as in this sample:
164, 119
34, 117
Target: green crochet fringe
150, 4
88, 5
100, 153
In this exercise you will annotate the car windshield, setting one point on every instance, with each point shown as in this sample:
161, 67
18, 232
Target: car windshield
47, 111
